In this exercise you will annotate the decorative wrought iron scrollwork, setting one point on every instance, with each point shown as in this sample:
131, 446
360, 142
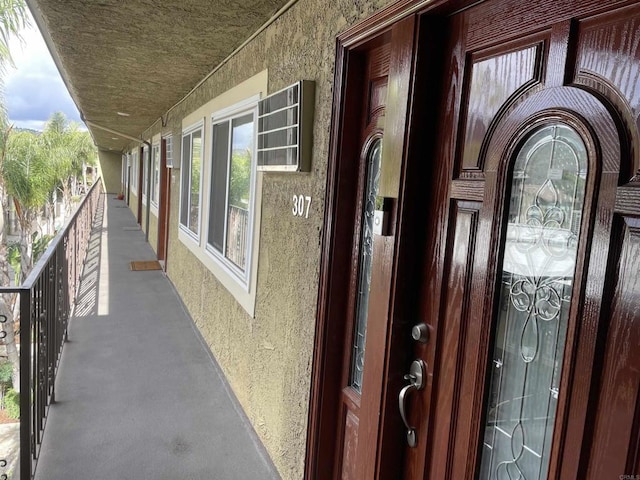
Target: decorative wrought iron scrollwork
3, 333
3, 464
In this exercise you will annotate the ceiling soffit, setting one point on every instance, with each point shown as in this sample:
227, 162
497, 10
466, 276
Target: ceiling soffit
141, 57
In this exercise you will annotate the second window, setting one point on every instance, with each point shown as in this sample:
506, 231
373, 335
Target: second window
230, 203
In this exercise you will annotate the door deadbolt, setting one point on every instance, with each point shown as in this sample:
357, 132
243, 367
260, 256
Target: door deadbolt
420, 332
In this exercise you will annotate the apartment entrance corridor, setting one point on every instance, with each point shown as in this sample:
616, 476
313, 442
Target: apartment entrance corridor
138, 394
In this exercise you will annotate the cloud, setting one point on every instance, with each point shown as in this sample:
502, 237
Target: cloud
34, 89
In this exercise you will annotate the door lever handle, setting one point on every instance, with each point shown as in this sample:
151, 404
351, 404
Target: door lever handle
416, 378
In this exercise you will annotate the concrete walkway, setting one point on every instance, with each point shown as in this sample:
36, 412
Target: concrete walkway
138, 395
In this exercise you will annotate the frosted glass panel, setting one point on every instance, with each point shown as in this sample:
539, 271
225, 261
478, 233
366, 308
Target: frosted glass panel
545, 212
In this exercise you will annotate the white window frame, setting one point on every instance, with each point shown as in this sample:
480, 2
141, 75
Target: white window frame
228, 114
155, 178
123, 172
134, 171
145, 172
251, 90
183, 171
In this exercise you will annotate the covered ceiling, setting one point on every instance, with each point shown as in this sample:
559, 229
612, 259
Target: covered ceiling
141, 57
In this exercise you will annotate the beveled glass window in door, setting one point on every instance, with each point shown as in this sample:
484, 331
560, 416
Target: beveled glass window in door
539, 259
371, 204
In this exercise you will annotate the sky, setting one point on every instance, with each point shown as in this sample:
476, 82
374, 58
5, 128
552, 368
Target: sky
34, 89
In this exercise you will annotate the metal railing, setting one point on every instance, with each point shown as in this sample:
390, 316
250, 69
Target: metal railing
237, 231
47, 299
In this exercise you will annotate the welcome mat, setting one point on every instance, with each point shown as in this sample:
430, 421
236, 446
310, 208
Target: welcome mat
146, 265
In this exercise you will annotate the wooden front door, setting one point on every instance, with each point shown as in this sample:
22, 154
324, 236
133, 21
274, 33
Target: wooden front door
164, 205
528, 275
508, 271
140, 186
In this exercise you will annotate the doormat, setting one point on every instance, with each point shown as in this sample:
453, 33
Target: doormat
146, 265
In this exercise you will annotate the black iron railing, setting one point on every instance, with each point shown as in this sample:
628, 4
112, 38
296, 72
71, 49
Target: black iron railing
237, 231
47, 299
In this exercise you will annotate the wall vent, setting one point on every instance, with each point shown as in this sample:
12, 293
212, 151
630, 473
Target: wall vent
169, 151
285, 129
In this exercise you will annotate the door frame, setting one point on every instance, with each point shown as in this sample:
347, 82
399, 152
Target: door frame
140, 186
163, 207
338, 231
128, 182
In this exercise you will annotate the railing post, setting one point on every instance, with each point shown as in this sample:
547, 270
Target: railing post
25, 385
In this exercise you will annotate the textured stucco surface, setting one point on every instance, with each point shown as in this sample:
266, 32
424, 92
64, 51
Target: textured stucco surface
153, 221
141, 57
153, 230
133, 204
111, 170
267, 359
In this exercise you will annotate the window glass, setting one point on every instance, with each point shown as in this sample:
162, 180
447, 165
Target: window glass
134, 171
231, 188
190, 181
155, 169
239, 189
145, 172
184, 186
196, 164
218, 198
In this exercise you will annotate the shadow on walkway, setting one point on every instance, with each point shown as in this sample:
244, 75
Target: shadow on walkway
138, 394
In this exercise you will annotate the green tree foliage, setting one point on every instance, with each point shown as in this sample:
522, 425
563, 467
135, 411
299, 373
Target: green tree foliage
33, 168
28, 171
69, 151
13, 18
12, 403
240, 179
29, 178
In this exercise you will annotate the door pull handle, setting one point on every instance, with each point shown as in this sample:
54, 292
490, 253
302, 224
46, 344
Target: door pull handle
416, 377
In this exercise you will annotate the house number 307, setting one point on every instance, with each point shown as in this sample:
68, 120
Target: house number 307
301, 205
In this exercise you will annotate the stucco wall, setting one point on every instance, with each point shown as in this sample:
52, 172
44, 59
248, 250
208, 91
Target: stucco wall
111, 170
133, 204
153, 230
153, 221
267, 359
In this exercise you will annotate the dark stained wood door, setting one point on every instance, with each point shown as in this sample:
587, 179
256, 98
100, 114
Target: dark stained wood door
164, 206
351, 418
367, 272
531, 287
141, 161
511, 136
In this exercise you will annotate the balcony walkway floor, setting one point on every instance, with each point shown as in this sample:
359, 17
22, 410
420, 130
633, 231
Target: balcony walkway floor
138, 394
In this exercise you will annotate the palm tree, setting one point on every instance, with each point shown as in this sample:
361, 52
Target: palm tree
70, 150
13, 19
30, 178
